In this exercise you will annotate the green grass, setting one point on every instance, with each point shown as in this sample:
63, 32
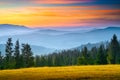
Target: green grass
97, 72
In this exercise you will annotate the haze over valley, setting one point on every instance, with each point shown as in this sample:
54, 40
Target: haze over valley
47, 40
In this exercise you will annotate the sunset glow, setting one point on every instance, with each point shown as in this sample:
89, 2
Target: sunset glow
60, 13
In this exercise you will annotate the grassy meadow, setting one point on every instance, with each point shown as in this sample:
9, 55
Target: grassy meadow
96, 72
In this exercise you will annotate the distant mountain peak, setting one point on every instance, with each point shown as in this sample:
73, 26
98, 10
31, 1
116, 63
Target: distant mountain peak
9, 25
12, 26
49, 30
112, 27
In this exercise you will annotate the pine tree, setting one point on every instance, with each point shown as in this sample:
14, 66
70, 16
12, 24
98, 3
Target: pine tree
101, 55
85, 55
81, 60
9, 52
42, 61
93, 55
37, 61
1, 61
27, 56
17, 55
114, 51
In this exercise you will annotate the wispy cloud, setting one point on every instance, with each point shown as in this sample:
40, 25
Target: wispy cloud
41, 13
59, 1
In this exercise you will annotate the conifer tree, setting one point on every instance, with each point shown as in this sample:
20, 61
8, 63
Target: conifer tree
27, 56
1, 61
114, 51
17, 54
101, 55
85, 55
9, 53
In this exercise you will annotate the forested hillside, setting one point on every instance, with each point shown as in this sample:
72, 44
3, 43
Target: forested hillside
16, 57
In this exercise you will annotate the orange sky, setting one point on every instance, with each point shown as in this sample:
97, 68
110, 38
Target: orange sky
59, 16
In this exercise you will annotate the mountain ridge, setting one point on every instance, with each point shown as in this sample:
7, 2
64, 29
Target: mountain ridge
62, 41
12, 26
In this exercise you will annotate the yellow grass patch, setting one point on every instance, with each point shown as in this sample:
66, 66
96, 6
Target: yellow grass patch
97, 72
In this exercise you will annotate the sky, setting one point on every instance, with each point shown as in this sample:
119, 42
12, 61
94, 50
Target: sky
60, 13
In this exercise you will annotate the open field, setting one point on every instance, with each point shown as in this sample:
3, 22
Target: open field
99, 72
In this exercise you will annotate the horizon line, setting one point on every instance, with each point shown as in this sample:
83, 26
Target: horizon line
60, 26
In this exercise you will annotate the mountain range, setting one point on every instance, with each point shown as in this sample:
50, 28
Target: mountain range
56, 39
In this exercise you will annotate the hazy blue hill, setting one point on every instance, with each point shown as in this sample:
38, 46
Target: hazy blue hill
41, 50
91, 45
108, 29
2, 48
52, 32
36, 49
58, 39
93, 36
113, 28
9, 29
10, 26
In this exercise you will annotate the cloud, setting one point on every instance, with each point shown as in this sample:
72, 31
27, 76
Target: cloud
59, 16
59, 1
3, 3
45, 1
36, 13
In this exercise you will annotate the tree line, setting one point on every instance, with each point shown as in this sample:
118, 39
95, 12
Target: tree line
104, 54
15, 57
22, 57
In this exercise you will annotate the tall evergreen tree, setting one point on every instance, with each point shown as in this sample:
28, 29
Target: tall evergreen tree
101, 55
9, 53
93, 54
17, 55
114, 51
37, 61
85, 55
81, 60
42, 61
27, 56
1, 61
